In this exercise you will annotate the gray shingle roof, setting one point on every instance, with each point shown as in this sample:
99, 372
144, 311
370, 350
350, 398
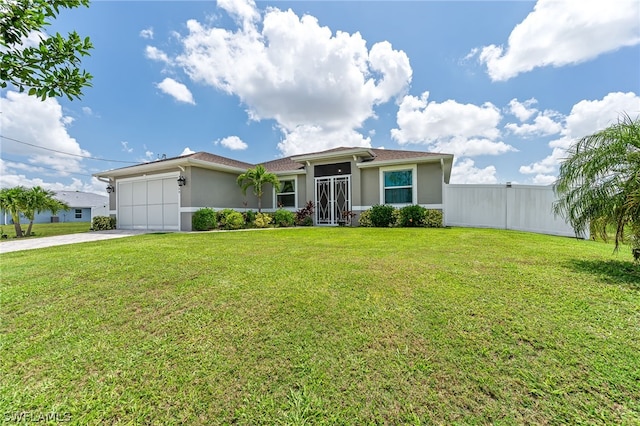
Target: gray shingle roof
77, 199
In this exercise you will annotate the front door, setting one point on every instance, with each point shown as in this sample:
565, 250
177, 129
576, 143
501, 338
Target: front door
333, 198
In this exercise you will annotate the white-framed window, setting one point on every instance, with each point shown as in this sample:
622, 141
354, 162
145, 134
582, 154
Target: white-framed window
286, 197
78, 213
398, 185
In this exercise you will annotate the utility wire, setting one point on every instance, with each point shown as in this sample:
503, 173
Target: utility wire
66, 153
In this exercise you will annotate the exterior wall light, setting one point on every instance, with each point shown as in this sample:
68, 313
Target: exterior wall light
111, 188
182, 181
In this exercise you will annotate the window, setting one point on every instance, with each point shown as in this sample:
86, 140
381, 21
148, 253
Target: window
398, 186
78, 213
287, 195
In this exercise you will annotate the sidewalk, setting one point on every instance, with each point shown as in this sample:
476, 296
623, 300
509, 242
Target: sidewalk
36, 243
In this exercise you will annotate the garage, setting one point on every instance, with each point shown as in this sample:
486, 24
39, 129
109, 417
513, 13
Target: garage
149, 202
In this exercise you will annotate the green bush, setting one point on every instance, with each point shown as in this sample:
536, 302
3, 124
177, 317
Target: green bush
433, 218
307, 221
411, 216
221, 217
381, 215
262, 220
284, 218
249, 217
103, 223
204, 220
395, 217
233, 220
365, 219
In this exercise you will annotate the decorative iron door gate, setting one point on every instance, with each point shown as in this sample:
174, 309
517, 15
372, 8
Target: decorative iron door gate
333, 197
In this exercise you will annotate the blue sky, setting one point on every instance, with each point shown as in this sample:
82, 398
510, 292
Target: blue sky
505, 86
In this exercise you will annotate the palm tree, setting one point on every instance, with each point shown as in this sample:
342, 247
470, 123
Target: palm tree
257, 177
38, 200
12, 200
599, 183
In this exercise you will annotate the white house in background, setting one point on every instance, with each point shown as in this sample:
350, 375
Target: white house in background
81, 205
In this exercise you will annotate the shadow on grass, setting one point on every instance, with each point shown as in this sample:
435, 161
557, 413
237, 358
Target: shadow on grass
610, 271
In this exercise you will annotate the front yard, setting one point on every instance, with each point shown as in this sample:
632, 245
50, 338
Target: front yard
323, 326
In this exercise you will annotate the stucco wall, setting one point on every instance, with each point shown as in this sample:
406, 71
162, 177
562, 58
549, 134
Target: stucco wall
429, 183
216, 189
370, 187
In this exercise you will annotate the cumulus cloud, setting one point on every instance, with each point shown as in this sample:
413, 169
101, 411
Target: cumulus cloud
303, 138
156, 54
544, 124
465, 171
558, 33
293, 70
11, 175
147, 33
586, 117
522, 110
451, 127
233, 143
28, 119
177, 90
187, 151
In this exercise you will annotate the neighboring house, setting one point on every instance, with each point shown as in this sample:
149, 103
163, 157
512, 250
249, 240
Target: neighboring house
80, 203
164, 194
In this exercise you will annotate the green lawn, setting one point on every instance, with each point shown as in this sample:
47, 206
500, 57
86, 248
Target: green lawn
48, 229
323, 326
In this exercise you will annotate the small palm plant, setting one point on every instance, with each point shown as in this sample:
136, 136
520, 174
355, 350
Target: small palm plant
257, 178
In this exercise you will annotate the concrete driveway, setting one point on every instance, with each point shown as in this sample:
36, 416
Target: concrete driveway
35, 243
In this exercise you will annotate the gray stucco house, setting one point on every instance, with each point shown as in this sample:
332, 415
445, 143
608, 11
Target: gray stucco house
164, 194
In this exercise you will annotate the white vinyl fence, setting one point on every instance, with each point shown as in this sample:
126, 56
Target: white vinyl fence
517, 207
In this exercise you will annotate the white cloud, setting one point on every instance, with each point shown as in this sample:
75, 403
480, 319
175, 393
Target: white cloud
11, 176
586, 117
30, 120
314, 138
179, 91
451, 127
522, 110
544, 124
465, 171
87, 111
147, 33
294, 71
186, 151
542, 179
233, 143
125, 146
558, 33
156, 54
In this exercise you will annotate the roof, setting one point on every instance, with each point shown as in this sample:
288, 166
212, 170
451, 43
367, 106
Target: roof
77, 199
366, 157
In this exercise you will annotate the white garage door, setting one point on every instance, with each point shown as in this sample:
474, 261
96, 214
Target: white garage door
150, 203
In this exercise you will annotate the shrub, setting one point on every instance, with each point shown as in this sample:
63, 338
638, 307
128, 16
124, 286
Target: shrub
433, 218
307, 221
411, 216
304, 214
395, 217
262, 220
381, 215
204, 220
365, 219
221, 217
233, 220
284, 218
249, 217
103, 223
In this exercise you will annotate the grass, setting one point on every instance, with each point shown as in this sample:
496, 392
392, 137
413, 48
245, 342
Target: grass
324, 326
48, 229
